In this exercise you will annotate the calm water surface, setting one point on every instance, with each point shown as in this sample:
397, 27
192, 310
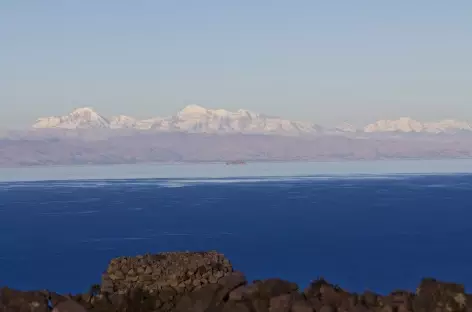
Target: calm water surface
378, 232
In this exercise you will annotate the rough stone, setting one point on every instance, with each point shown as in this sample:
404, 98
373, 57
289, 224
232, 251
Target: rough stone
282, 303
433, 295
200, 300
301, 306
13, 300
69, 306
153, 272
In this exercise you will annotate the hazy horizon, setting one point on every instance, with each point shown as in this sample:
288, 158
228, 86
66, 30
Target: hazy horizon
319, 62
187, 173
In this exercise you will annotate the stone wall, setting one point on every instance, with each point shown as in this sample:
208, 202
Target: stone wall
179, 272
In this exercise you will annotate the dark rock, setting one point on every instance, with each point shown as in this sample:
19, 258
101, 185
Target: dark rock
263, 289
243, 293
232, 306
438, 296
233, 280
107, 284
68, 306
200, 300
260, 305
167, 294
301, 306
139, 300
369, 299
282, 303
275, 287
230, 283
386, 308
400, 301
101, 303
118, 300
327, 308
320, 293
13, 300
360, 308
314, 289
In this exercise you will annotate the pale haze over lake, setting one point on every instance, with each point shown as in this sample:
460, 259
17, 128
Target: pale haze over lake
220, 170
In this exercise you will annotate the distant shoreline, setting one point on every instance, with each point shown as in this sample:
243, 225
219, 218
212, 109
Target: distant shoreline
203, 170
224, 162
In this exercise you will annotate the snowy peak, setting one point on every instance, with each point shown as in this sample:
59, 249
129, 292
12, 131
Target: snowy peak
193, 109
407, 124
195, 118
403, 124
80, 118
192, 118
84, 111
448, 125
122, 121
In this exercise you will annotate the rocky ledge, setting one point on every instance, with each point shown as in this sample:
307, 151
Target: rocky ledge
206, 281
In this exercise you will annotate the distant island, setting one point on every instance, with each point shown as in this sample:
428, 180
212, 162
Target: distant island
236, 162
207, 282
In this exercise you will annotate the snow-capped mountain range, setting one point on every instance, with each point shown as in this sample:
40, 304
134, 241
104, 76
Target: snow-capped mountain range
406, 124
192, 118
197, 119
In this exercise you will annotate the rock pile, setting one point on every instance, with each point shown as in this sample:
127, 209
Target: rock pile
180, 271
206, 282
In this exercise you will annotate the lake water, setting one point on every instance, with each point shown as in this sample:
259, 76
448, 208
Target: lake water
363, 225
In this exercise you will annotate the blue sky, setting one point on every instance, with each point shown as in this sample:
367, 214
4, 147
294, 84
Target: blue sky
322, 61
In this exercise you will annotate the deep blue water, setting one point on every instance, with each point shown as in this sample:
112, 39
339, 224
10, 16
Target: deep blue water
376, 233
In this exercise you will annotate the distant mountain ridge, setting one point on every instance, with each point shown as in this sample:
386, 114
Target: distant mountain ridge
406, 124
191, 119
198, 134
78, 119
198, 119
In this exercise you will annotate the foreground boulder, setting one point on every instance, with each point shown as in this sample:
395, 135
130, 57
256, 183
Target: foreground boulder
206, 282
13, 300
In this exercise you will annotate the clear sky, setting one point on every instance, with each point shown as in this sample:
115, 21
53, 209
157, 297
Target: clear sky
321, 61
